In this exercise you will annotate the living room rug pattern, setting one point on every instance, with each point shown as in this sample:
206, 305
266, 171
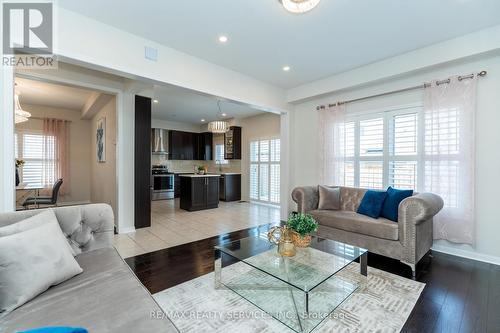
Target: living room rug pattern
383, 304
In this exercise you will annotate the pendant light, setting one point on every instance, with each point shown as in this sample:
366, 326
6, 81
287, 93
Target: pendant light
218, 126
299, 6
20, 115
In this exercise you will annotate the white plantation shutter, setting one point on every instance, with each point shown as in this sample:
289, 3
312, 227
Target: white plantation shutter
403, 146
265, 170
31, 148
371, 174
382, 149
254, 181
371, 137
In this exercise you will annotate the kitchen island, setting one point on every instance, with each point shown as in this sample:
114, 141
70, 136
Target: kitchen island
198, 192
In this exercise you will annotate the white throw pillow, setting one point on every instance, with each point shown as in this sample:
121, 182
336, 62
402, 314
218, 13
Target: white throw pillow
37, 220
31, 261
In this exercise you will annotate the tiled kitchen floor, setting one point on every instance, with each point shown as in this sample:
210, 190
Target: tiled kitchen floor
171, 226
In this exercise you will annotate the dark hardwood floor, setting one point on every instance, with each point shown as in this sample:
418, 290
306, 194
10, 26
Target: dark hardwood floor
460, 295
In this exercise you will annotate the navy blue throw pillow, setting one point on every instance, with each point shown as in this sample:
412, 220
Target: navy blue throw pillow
372, 202
391, 203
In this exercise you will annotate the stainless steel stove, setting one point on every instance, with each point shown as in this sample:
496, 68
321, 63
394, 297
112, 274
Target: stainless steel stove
163, 183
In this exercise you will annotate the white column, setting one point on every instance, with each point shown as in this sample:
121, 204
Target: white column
284, 164
7, 167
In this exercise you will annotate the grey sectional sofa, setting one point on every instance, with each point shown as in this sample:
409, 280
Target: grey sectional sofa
408, 240
106, 297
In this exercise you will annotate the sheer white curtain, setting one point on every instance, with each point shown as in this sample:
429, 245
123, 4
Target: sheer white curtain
449, 114
331, 125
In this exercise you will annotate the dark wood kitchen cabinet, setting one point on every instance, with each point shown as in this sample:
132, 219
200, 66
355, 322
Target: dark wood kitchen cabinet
190, 146
198, 193
204, 146
232, 143
230, 187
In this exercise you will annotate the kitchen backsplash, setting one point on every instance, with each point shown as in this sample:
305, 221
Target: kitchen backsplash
233, 166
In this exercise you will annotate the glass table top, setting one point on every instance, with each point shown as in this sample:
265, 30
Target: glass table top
309, 268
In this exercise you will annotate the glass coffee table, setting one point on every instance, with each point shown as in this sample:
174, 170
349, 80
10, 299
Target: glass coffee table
300, 291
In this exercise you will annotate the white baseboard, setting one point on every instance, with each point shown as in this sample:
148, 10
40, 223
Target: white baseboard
125, 230
467, 254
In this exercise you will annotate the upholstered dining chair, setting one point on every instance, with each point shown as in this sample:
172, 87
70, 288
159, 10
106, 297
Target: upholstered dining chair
45, 200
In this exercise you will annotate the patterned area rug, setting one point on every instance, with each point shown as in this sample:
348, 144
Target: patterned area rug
382, 303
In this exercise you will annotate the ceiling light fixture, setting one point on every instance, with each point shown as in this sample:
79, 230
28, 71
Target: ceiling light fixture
155, 101
223, 39
203, 120
224, 114
286, 68
20, 116
218, 126
299, 6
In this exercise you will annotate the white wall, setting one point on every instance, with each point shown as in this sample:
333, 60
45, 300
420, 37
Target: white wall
304, 141
79, 148
103, 175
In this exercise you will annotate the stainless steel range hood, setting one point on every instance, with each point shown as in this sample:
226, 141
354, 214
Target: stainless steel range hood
159, 141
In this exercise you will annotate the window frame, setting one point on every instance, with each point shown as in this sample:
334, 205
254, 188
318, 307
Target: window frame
269, 164
220, 161
387, 155
19, 153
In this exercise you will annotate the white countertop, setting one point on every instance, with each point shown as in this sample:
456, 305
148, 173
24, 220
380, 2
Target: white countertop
192, 175
230, 173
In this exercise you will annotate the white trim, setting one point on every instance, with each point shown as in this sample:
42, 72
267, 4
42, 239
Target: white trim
467, 254
120, 134
125, 230
7, 167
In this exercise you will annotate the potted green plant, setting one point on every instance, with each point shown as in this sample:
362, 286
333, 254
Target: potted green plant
302, 225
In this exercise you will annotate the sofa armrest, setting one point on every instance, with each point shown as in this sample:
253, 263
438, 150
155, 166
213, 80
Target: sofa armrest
306, 197
420, 207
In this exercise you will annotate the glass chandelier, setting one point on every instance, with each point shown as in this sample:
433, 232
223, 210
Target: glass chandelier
299, 6
218, 126
20, 115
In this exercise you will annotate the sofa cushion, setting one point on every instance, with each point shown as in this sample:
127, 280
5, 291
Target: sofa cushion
392, 201
372, 203
106, 297
354, 222
329, 197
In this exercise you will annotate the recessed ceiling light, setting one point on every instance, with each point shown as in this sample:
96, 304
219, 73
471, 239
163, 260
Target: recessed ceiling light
223, 39
155, 101
203, 120
224, 114
286, 68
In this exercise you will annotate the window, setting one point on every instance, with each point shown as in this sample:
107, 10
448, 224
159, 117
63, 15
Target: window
219, 154
38, 153
265, 171
382, 150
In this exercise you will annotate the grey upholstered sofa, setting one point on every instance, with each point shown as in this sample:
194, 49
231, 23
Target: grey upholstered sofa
408, 240
106, 297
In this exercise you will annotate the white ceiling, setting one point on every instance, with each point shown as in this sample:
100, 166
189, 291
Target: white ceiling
336, 36
51, 95
182, 105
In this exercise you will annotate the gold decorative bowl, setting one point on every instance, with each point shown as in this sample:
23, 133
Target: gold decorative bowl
301, 241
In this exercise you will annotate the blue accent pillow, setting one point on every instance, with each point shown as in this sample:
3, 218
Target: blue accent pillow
58, 329
391, 203
372, 202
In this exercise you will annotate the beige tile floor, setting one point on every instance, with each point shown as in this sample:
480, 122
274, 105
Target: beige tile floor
171, 226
